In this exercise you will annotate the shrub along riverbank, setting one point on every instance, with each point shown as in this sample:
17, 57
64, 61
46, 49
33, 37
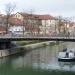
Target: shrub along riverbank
25, 43
22, 43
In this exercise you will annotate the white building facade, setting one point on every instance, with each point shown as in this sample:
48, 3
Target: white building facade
49, 25
17, 30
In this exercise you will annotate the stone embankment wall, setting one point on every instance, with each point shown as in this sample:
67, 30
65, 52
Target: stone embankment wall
19, 49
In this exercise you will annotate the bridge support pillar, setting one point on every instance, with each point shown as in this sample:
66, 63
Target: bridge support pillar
5, 45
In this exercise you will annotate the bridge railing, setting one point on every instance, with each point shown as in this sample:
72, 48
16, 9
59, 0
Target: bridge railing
32, 35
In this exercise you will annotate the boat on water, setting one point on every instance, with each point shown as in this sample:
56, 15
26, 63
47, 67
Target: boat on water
67, 55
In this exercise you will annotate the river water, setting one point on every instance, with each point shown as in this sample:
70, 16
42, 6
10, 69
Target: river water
41, 61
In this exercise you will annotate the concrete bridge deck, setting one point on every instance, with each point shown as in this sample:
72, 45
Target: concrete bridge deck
49, 38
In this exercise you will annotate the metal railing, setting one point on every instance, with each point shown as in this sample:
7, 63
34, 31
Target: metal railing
37, 35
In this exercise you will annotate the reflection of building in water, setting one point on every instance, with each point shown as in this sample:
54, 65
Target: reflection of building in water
70, 45
62, 45
3, 61
66, 65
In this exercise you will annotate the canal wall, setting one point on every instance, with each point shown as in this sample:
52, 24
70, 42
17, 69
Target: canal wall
20, 49
38, 45
7, 52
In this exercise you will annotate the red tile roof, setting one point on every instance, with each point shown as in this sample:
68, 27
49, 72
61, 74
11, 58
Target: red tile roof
35, 16
28, 16
46, 17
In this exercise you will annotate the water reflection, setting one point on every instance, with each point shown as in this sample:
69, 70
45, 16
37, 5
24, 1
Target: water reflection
68, 66
43, 58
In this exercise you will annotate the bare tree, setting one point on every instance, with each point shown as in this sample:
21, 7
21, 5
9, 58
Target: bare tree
38, 25
35, 23
9, 9
32, 21
59, 24
31, 17
25, 22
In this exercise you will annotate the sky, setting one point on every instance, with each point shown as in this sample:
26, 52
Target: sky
52, 7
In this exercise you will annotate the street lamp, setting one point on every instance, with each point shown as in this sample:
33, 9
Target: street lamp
68, 30
67, 25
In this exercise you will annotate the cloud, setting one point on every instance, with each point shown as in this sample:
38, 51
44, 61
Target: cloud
43, 6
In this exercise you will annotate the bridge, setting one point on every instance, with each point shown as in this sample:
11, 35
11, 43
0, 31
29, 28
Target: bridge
6, 40
48, 38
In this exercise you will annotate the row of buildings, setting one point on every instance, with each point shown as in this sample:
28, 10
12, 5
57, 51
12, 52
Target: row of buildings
24, 23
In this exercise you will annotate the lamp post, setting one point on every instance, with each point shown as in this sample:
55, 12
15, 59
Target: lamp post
67, 27
68, 30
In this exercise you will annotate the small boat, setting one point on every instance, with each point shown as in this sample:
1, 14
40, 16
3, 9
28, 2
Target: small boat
67, 55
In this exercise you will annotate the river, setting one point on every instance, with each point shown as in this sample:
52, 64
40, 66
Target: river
41, 61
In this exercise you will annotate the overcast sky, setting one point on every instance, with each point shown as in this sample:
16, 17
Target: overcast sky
53, 7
